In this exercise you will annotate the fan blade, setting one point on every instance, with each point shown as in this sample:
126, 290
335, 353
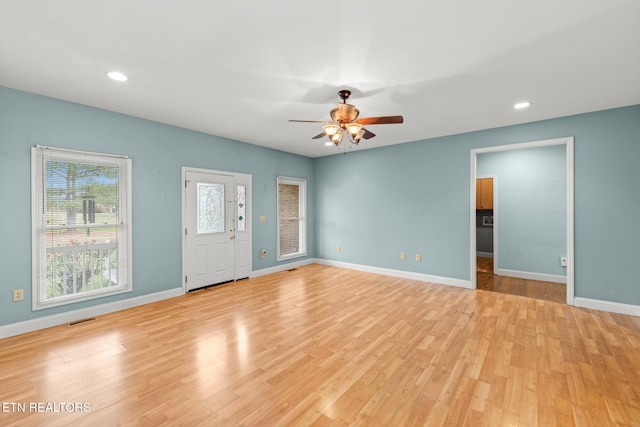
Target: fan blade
320, 135
309, 121
387, 120
368, 135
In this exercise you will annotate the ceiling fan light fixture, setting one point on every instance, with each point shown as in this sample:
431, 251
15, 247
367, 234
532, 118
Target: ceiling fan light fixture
331, 129
344, 125
354, 132
353, 129
337, 137
358, 136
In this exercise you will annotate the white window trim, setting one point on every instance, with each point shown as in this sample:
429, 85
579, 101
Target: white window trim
38, 155
302, 183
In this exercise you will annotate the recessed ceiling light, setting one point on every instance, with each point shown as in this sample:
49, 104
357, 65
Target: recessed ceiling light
521, 105
117, 76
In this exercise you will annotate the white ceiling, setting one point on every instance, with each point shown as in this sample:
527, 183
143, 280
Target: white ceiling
241, 69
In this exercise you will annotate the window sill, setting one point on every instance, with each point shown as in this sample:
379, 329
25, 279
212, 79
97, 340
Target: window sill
79, 298
291, 256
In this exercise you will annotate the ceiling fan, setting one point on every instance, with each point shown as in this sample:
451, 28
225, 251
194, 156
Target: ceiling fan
345, 121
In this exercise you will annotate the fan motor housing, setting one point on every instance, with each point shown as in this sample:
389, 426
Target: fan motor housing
345, 113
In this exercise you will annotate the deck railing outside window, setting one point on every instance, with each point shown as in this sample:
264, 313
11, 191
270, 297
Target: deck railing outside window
81, 268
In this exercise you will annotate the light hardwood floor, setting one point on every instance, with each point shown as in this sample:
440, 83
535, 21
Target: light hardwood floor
322, 346
487, 281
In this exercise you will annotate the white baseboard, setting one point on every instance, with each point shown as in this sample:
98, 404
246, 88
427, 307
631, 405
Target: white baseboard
532, 276
283, 267
398, 273
613, 307
84, 313
485, 254
31, 325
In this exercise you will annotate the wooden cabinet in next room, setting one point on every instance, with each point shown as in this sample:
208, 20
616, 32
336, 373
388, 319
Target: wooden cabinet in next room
484, 193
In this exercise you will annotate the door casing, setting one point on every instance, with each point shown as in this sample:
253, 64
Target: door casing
568, 143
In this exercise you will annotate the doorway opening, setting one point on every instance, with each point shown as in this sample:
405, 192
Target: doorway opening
517, 279
488, 281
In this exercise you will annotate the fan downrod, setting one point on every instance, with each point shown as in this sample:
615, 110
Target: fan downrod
344, 94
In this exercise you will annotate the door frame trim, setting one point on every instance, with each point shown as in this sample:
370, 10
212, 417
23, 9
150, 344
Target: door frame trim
569, 170
246, 178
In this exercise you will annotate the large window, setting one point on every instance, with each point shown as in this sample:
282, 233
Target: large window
81, 213
292, 222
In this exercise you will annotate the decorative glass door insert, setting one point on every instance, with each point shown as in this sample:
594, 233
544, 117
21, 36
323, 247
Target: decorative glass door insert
211, 208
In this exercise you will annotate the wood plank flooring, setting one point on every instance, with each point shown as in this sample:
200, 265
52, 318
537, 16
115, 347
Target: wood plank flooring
322, 346
487, 281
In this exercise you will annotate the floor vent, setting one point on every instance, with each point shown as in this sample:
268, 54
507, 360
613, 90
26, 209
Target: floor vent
78, 322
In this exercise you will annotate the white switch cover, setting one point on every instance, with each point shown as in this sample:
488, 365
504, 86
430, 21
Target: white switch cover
563, 261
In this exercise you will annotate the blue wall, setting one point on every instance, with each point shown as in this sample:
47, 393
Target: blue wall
158, 153
414, 198
530, 207
411, 198
375, 203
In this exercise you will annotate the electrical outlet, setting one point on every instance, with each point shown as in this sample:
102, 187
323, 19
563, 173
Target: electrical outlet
403, 256
418, 257
563, 261
18, 294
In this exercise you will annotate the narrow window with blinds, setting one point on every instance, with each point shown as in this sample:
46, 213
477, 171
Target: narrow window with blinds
81, 213
292, 223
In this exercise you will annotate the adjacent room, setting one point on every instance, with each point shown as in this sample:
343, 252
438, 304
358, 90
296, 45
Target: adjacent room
319, 213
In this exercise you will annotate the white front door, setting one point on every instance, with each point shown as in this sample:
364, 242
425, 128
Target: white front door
216, 245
